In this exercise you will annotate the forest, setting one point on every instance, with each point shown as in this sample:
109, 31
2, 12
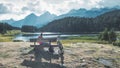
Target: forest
4, 27
110, 20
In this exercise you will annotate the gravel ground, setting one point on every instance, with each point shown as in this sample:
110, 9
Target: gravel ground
77, 55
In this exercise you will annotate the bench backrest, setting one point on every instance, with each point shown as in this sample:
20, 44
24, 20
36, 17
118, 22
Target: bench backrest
44, 39
33, 40
50, 39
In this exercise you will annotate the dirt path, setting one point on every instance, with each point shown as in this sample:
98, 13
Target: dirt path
78, 55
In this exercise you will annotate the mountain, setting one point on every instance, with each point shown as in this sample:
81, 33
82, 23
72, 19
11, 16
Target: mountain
10, 21
87, 13
44, 19
108, 20
29, 20
34, 20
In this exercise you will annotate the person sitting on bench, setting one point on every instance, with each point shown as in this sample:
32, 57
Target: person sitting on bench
40, 39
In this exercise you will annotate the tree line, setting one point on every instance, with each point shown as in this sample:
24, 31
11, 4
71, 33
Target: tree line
74, 24
4, 27
85, 25
28, 28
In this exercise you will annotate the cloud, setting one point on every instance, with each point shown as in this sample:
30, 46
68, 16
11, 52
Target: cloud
18, 8
58, 7
109, 3
32, 6
55, 1
3, 9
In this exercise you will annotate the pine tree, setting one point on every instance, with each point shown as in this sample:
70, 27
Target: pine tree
104, 35
107, 35
112, 36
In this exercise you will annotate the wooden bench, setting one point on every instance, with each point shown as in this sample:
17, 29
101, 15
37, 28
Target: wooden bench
41, 53
44, 39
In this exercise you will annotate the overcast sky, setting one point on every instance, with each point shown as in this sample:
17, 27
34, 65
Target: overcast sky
18, 9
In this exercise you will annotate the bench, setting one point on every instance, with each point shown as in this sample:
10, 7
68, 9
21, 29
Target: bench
44, 39
39, 51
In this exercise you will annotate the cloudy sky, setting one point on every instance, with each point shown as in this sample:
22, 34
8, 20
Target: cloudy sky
18, 9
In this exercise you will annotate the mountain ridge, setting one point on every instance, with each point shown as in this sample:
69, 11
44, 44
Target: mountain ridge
45, 18
85, 25
34, 20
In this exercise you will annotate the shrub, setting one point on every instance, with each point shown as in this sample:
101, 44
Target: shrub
107, 35
116, 44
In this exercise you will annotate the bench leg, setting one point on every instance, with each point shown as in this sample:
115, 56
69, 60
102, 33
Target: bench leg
50, 58
31, 58
62, 60
50, 61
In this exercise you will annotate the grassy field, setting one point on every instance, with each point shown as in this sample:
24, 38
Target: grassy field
9, 35
84, 38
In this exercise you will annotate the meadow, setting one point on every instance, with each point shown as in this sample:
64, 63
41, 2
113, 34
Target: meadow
9, 35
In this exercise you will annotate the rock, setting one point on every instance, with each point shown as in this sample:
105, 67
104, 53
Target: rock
89, 51
105, 62
108, 51
83, 64
62, 65
2, 66
83, 60
102, 46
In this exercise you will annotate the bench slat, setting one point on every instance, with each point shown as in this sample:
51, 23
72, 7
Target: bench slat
44, 39
43, 45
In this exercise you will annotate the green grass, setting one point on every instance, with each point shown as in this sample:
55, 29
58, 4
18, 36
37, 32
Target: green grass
84, 38
12, 32
5, 39
4, 55
80, 39
9, 35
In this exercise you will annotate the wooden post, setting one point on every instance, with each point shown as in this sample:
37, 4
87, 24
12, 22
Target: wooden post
50, 59
34, 43
50, 55
61, 52
62, 59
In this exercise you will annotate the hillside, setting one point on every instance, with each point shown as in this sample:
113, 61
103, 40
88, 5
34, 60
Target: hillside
85, 25
4, 27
